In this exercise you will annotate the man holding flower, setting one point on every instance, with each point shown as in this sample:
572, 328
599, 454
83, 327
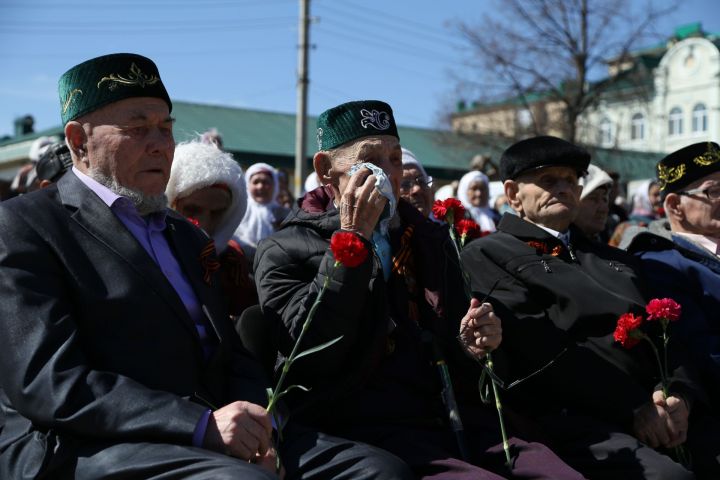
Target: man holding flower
685, 263
397, 313
560, 296
119, 360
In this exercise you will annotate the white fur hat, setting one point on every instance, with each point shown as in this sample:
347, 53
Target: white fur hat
594, 179
197, 165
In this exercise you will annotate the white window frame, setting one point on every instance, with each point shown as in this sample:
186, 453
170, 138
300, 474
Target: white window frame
675, 122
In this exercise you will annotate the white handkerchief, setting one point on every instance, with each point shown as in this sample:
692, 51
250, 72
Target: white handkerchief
383, 185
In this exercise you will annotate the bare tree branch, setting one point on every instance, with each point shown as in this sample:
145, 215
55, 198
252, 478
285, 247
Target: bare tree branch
555, 50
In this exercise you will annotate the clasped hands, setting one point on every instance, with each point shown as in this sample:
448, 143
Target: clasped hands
662, 422
242, 430
480, 329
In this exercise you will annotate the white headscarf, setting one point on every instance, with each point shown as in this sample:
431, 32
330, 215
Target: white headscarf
198, 165
641, 205
409, 158
482, 215
259, 218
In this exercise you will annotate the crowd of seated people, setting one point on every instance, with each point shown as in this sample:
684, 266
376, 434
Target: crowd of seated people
131, 266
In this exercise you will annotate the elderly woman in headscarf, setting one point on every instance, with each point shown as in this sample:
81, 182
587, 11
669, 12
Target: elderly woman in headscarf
264, 214
646, 203
473, 193
206, 186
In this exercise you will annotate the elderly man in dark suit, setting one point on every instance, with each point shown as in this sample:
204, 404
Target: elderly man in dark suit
560, 296
117, 347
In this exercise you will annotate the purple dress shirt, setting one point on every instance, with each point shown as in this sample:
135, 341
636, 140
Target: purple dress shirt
150, 235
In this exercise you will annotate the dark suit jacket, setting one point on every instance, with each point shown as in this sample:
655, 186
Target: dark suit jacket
689, 274
96, 343
555, 307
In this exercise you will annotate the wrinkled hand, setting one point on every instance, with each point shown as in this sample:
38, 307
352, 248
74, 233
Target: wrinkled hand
662, 422
240, 429
678, 414
361, 204
480, 330
268, 462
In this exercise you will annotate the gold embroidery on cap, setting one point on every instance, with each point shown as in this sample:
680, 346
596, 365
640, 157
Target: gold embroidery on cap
670, 174
708, 158
71, 95
135, 77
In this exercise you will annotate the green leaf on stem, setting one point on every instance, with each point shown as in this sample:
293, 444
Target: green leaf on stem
317, 348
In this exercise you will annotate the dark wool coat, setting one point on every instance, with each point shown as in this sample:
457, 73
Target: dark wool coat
380, 369
559, 308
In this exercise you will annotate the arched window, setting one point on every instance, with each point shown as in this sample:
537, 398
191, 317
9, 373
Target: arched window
637, 127
605, 134
675, 122
699, 118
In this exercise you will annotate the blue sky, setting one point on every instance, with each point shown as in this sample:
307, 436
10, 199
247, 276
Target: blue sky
244, 52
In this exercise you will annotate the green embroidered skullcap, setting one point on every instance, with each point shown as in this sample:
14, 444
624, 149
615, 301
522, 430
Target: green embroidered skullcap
353, 120
103, 80
682, 167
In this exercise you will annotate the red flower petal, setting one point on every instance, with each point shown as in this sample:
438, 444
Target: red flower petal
348, 249
663, 308
627, 324
441, 209
467, 228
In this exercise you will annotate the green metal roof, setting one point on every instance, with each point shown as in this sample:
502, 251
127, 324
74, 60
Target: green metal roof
255, 135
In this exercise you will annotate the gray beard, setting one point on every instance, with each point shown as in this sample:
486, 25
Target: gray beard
144, 204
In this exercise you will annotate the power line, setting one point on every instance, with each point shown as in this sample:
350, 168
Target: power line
207, 51
377, 61
378, 15
158, 30
422, 33
124, 5
151, 23
396, 46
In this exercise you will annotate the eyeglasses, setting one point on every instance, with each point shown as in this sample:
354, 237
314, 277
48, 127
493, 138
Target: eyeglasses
711, 193
422, 182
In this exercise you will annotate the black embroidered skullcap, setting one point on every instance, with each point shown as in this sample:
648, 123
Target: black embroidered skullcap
682, 167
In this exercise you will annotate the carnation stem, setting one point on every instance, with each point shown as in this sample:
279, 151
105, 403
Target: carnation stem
498, 406
286, 365
272, 402
489, 362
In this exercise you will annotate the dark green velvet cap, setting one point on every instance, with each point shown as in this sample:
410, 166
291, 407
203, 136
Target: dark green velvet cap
99, 81
684, 166
353, 120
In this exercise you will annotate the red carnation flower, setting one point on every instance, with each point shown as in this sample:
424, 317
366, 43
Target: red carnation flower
627, 330
467, 228
663, 309
348, 249
450, 210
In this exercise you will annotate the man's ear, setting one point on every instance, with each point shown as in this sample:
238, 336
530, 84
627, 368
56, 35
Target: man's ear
511, 192
76, 140
673, 207
322, 166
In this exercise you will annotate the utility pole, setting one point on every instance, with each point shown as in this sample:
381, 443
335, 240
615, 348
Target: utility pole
302, 87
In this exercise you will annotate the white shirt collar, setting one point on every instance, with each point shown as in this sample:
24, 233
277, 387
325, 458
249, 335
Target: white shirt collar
708, 243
